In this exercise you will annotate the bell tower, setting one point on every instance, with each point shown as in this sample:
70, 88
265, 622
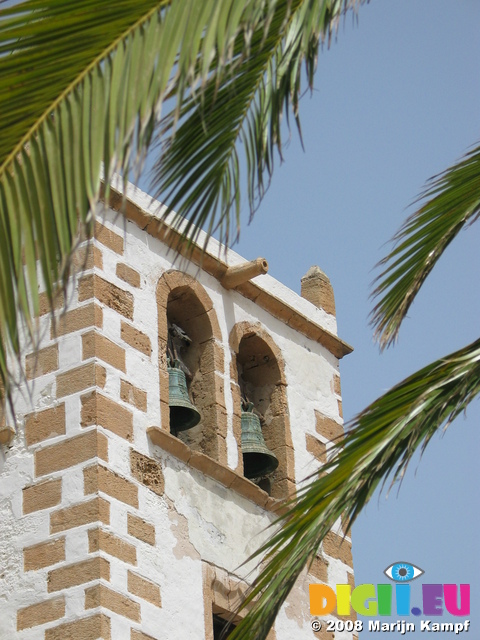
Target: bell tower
171, 410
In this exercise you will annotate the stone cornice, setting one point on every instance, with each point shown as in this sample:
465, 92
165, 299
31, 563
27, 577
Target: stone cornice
216, 267
213, 469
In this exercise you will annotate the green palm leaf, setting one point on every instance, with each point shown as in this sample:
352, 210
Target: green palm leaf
381, 442
261, 85
452, 202
83, 84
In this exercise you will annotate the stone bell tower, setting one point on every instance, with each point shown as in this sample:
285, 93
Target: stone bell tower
116, 521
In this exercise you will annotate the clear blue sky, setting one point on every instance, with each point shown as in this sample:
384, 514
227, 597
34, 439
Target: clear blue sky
397, 100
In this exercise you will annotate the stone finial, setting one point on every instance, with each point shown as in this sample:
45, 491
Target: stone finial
316, 288
7, 434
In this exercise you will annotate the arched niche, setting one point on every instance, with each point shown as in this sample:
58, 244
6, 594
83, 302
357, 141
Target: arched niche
258, 365
183, 301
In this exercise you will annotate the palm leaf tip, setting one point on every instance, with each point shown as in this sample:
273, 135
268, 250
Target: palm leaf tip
450, 202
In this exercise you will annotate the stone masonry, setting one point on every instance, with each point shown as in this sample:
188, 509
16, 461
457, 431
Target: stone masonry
111, 526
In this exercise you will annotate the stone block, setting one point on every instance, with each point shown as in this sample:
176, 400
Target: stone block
108, 238
147, 471
136, 338
138, 528
43, 362
41, 425
80, 378
317, 448
42, 495
95, 345
100, 540
44, 554
70, 452
328, 428
338, 547
319, 569
94, 627
45, 305
78, 573
98, 478
133, 395
89, 315
93, 286
101, 596
144, 589
7, 434
99, 410
96, 510
40, 613
128, 275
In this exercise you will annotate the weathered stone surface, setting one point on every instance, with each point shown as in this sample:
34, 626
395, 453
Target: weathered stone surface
80, 378
44, 554
328, 428
45, 424
40, 613
147, 471
317, 448
89, 315
98, 478
316, 288
100, 540
144, 588
93, 286
128, 275
337, 547
108, 238
78, 573
99, 410
138, 528
95, 345
70, 452
42, 495
101, 596
42, 362
136, 339
94, 510
94, 627
134, 396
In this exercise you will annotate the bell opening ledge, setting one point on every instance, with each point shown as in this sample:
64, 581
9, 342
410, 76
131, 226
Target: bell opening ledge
215, 470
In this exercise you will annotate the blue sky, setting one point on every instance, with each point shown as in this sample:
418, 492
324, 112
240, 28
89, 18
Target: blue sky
397, 100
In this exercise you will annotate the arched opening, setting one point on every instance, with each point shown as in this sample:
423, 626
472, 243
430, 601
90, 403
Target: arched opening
259, 372
184, 307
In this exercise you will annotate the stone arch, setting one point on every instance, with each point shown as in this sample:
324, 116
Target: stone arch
258, 361
182, 300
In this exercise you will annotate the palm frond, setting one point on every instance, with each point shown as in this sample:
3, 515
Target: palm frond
380, 443
452, 202
82, 84
198, 172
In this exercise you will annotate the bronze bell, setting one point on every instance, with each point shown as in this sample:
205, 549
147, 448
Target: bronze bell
183, 414
258, 460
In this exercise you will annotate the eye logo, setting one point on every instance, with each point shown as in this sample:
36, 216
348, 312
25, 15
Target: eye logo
403, 572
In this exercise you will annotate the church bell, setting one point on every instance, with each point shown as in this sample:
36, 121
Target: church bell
183, 414
258, 460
